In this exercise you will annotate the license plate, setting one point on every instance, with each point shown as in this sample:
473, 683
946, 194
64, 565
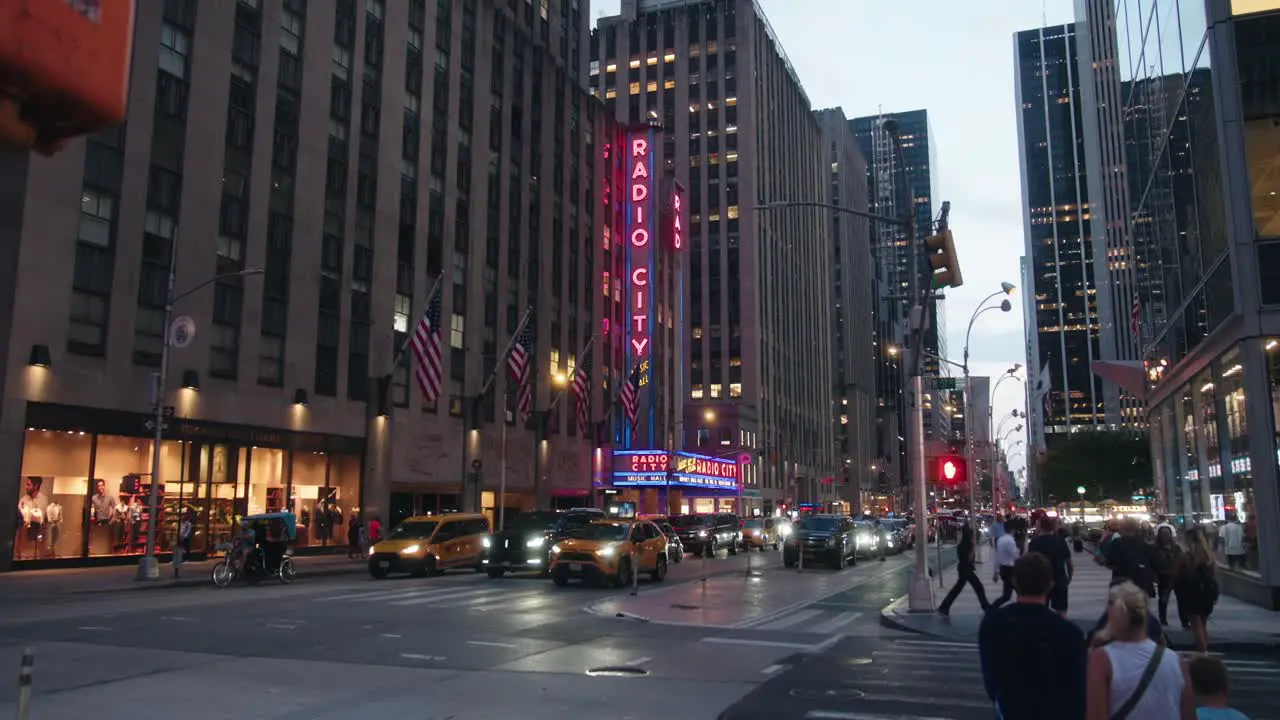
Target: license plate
575, 567
384, 564
506, 564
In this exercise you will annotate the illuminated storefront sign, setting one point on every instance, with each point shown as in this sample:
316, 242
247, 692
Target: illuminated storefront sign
640, 467
639, 223
705, 471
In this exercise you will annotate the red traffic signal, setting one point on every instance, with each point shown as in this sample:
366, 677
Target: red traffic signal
951, 471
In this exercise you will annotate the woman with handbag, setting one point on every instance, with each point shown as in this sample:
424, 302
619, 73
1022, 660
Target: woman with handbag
1131, 677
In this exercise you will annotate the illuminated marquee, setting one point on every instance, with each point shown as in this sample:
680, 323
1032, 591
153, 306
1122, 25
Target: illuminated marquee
677, 217
633, 468
705, 472
639, 291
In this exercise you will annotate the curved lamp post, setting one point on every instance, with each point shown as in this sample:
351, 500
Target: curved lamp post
1006, 289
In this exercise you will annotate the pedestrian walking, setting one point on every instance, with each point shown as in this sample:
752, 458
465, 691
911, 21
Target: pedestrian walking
1132, 677
1165, 558
1211, 687
965, 573
1129, 557
182, 544
375, 530
353, 538
1006, 555
1195, 584
1033, 661
1051, 542
1233, 542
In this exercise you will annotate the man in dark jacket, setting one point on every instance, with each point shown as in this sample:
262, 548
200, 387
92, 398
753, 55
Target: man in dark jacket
1033, 661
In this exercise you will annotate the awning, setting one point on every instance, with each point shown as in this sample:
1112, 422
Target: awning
1128, 374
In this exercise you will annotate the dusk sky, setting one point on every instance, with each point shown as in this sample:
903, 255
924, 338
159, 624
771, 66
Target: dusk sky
954, 59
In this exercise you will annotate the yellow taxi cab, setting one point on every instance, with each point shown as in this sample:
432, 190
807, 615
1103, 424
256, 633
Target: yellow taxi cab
605, 551
429, 544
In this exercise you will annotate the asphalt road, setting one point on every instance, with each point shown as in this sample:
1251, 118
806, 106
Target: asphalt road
455, 646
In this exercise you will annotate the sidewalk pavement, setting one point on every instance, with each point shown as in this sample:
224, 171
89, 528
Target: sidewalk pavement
1234, 625
63, 582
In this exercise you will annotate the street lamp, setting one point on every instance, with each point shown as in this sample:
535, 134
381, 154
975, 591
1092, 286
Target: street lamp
148, 567
1006, 289
1080, 489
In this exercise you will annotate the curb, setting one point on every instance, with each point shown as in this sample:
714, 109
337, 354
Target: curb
204, 580
889, 619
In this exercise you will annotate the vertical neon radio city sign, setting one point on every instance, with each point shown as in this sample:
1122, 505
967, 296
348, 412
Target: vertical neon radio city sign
639, 164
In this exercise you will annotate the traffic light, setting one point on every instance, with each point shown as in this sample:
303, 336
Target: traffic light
951, 471
943, 261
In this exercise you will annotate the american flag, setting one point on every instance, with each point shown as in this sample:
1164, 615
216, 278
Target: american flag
520, 365
1135, 316
582, 393
630, 396
426, 348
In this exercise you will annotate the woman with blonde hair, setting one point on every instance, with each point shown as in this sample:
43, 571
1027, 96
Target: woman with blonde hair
1195, 583
1131, 677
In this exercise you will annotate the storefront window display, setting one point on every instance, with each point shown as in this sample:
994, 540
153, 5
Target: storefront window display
51, 500
310, 477
1210, 449
122, 475
267, 480
1236, 498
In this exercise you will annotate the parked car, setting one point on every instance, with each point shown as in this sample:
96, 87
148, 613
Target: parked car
830, 539
675, 548
866, 538
706, 533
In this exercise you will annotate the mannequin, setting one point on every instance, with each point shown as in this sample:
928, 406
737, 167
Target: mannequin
33, 508
54, 515
104, 519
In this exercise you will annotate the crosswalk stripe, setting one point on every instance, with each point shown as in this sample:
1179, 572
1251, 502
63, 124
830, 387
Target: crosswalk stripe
789, 620
450, 595
503, 601
519, 602
836, 622
938, 643
384, 592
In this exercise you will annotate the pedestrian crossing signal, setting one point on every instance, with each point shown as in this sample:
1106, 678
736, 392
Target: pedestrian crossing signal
951, 471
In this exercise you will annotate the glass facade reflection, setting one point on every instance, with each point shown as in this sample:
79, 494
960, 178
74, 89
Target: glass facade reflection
1199, 89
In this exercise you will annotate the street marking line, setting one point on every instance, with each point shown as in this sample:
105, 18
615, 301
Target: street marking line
637, 662
484, 643
859, 582
772, 669
415, 656
379, 595
841, 715
98, 628
927, 643
391, 635
788, 621
747, 641
510, 601
175, 618
445, 596
835, 623
281, 626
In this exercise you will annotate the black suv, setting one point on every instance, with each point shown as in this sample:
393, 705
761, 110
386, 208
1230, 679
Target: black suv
706, 533
825, 538
525, 541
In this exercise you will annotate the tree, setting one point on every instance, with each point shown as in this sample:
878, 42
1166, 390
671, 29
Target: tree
1110, 464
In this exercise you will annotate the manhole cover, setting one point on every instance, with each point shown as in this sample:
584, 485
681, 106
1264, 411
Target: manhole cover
679, 606
858, 661
839, 694
619, 671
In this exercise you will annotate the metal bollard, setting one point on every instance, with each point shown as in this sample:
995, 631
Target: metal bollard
635, 574
24, 684
703, 552
800, 551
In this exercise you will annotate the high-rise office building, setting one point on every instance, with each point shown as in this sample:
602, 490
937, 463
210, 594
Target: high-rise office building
888, 179
1199, 126
852, 264
739, 129
298, 138
1057, 227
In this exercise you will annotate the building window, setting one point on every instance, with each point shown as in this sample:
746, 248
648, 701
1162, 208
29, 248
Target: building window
403, 308
96, 212
224, 349
735, 390
87, 332
695, 392
174, 46
457, 331
271, 361
715, 390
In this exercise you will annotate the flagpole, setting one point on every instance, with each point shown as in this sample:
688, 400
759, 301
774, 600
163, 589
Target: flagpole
471, 463
408, 340
569, 382
502, 476
503, 357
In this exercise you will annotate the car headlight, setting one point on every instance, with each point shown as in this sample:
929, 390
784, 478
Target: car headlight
486, 542
831, 541
702, 533
606, 551
864, 538
555, 549
412, 549
536, 542
370, 551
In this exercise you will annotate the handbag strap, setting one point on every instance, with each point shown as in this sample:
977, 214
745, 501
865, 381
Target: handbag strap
1148, 674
